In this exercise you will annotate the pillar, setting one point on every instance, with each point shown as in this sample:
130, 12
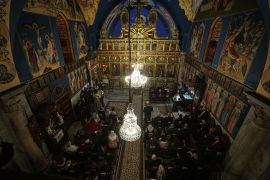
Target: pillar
252, 137
17, 111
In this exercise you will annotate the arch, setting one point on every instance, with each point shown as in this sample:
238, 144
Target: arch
162, 12
212, 40
63, 30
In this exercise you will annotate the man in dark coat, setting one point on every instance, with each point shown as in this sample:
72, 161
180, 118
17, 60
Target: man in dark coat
147, 111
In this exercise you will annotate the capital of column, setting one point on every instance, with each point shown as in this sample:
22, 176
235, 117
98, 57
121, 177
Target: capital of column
15, 100
261, 109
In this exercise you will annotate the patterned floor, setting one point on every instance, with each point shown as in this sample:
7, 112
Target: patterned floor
131, 164
120, 107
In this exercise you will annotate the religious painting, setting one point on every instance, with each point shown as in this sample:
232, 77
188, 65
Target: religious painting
104, 68
149, 70
264, 85
227, 83
240, 47
71, 79
228, 107
89, 9
212, 9
115, 69
171, 70
160, 70
212, 41
81, 39
39, 44
196, 39
50, 8
125, 69
8, 74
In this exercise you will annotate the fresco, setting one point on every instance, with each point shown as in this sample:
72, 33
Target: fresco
217, 8
212, 41
51, 8
38, 42
8, 74
239, 49
81, 39
264, 85
196, 39
89, 9
226, 108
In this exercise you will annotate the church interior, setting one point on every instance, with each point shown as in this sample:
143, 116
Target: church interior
135, 89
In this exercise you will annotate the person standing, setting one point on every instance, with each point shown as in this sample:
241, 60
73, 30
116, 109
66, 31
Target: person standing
148, 109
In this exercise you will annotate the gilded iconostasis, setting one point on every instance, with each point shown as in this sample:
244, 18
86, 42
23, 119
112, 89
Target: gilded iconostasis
153, 46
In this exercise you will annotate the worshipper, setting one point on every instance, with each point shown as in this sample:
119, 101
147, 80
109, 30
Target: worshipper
148, 109
176, 100
113, 116
204, 113
101, 96
163, 143
97, 103
93, 125
112, 140
71, 148
161, 175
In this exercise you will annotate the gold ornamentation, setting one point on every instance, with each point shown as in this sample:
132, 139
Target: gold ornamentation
186, 5
89, 9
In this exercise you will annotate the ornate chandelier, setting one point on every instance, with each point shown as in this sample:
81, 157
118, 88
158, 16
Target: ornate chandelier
130, 131
136, 79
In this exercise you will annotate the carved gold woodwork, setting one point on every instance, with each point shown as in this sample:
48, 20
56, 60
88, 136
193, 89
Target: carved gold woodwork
159, 56
186, 5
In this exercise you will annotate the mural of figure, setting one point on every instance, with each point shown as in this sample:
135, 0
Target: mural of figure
199, 40
51, 49
81, 39
244, 36
215, 100
37, 28
265, 80
235, 115
210, 97
193, 39
5, 76
32, 56
227, 110
209, 87
221, 104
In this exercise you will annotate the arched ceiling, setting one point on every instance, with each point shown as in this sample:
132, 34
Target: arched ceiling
172, 6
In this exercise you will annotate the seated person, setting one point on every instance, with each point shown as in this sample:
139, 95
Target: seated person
163, 143
69, 147
112, 140
93, 125
177, 97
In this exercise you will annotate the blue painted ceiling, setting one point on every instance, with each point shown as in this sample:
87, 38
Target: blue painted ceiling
172, 6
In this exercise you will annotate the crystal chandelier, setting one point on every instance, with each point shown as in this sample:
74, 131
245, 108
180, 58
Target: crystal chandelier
130, 131
137, 80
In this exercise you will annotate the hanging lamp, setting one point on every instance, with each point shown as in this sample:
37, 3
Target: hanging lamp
130, 131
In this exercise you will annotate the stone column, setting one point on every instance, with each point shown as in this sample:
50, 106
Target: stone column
17, 110
252, 136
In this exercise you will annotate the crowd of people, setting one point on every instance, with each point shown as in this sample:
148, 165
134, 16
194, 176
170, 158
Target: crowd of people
91, 152
184, 145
